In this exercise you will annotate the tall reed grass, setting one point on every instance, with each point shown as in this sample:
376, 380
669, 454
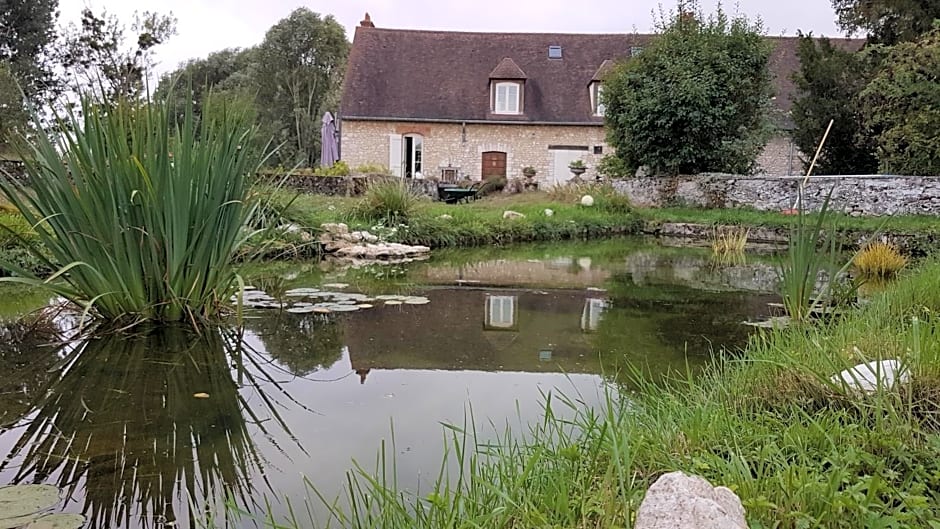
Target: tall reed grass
142, 208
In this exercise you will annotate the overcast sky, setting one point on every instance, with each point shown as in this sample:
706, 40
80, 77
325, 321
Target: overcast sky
209, 25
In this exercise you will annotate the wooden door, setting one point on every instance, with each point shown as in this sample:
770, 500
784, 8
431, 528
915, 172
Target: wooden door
494, 164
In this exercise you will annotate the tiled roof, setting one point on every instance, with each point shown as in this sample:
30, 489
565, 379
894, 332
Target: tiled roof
507, 69
443, 75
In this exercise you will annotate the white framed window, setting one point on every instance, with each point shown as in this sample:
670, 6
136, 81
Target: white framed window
597, 103
506, 98
500, 312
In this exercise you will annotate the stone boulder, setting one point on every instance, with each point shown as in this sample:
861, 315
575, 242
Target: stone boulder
509, 214
382, 252
680, 501
873, 376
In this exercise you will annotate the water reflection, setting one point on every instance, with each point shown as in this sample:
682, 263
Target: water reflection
135, 425
301, 344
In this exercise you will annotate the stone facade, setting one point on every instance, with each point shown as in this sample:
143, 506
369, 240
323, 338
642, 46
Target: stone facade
462, 146
854, 195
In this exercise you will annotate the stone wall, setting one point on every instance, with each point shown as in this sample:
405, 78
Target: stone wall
857, 195
462, 146
343, 186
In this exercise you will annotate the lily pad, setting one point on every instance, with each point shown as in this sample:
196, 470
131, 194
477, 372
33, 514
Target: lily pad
344, 308
301, 292
201, 395
338, 286
322, 310
365, 306
390, 297
58, 521
417, 301
17, 501
393, 302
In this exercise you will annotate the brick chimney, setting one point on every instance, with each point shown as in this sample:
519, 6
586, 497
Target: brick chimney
367, 22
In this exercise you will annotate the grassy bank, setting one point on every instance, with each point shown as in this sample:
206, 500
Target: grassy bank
799, 450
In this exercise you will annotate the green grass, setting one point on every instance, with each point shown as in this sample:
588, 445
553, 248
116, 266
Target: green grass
143, 212
799, 450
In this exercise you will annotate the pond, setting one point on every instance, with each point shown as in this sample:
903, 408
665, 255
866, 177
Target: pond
136, 429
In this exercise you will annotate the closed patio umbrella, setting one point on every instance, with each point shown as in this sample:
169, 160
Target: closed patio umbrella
329, 151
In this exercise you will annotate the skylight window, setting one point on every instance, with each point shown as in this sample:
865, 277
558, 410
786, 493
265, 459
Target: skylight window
554, 52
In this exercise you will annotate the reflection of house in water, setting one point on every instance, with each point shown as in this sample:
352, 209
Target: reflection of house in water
591, 315
559, 272
451, 333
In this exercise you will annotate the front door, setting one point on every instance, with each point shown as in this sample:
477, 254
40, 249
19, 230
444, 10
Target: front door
494, 165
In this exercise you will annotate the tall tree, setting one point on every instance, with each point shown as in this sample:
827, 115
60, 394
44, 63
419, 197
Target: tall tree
13, 114
902, 104
97, 53
696, 100
27, 31
887, 21
229, 71
829, 82
299, 71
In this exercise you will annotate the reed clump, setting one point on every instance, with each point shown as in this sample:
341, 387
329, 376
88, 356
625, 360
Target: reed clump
141, 205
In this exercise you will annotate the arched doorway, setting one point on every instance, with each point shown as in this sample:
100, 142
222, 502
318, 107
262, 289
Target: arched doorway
494, 165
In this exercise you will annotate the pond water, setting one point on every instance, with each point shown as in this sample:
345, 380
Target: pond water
138, 428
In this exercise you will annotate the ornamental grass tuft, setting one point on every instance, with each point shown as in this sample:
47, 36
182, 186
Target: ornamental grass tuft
879, 260
142, 205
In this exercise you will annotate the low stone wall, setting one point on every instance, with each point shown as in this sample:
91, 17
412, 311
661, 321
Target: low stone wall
346, 186
854, 195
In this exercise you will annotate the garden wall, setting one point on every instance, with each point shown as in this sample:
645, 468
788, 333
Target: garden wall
854, 195
345, 186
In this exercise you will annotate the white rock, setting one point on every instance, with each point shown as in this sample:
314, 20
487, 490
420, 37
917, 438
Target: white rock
873, 376
509, 214
680, 501
549, 213
445, 216
338, 229
587, 201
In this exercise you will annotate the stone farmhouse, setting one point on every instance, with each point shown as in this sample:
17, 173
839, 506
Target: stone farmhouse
455, 105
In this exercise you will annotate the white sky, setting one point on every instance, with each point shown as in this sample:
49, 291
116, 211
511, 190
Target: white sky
210, 25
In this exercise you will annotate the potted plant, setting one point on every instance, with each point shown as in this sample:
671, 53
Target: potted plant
577, 167
528, 171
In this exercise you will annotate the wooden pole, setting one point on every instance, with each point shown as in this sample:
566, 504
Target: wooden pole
813, 164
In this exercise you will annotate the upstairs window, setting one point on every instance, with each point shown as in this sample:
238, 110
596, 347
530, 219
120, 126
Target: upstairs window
506, 98
597, 103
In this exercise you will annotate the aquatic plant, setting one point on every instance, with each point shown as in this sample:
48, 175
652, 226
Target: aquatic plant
389, 199
879, 260
729, 240
142, 210
806, 259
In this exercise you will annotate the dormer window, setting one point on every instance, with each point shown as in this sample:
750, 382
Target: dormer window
596, 87
507, 82
597, 102
506, 98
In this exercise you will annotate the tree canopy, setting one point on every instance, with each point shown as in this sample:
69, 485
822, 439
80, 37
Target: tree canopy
830, 80
887, 21
696, 100
902, 106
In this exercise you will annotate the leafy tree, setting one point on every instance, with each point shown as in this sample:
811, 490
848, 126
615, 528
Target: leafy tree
227, 73
13, 115
298, 73
887, 21
27, 31
830, 80
695, 100
902, 103
100, 58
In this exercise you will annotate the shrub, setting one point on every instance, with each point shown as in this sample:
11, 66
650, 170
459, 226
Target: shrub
492, 185
371, 168
139, 235
731, 240
339, 168
695, 100
389, 199
879, 260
